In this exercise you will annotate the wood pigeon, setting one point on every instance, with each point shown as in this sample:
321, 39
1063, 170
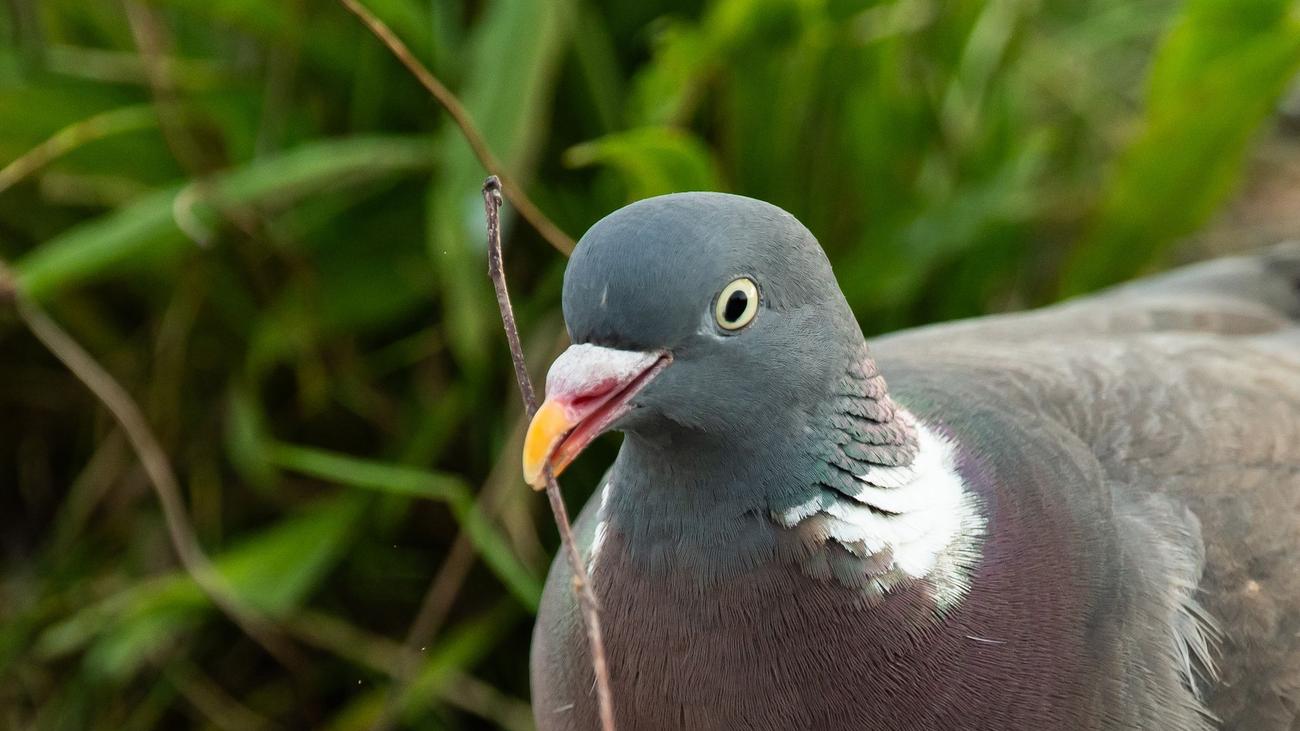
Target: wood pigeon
1081, 517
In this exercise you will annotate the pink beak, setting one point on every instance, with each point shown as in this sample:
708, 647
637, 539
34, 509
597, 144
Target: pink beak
587, 389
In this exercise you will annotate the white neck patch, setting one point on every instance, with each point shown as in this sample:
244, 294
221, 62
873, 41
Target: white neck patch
920, 516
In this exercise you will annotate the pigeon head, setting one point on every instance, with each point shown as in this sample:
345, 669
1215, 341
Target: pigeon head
693, 315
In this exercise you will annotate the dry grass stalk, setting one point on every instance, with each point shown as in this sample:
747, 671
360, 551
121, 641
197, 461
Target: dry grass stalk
520, 200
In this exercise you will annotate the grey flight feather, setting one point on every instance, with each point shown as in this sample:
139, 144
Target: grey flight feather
1126, 558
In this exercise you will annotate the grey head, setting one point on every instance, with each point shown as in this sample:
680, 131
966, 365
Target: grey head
649, 276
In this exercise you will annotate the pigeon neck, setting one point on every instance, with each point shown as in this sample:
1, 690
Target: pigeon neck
854, 490
859, 428
885, 506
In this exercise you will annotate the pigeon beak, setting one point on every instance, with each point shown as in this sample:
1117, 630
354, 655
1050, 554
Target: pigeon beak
587, 388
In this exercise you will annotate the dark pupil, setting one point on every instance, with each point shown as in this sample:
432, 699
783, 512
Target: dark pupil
735, 306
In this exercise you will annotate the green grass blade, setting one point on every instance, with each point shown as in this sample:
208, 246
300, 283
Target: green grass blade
367, 474
274, 571
412, 482
148, 229
1217, 76
91, 129
652, 160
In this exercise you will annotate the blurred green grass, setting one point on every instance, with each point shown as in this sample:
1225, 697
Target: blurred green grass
266, 229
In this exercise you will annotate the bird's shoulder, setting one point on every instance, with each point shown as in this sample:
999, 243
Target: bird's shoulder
1185, 444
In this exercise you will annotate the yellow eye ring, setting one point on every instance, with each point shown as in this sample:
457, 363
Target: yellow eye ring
737, 304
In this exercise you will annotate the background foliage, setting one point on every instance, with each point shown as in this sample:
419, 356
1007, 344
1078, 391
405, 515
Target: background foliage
259, 223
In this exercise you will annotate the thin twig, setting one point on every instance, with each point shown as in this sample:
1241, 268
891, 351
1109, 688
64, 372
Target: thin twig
151, 38
581, 581
158, 468
513, 192
105, 124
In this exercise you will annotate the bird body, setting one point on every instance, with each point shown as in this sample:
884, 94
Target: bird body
1083, 517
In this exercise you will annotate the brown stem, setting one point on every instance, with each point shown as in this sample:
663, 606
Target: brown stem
176, 124
104, 124
520, 200
581, 582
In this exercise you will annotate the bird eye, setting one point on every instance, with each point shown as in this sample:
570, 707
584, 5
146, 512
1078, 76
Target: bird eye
737, 304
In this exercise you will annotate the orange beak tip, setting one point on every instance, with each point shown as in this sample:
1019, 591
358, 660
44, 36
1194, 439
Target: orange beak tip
547, 429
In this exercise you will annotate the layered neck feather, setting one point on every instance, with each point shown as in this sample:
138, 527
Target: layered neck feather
854, 490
